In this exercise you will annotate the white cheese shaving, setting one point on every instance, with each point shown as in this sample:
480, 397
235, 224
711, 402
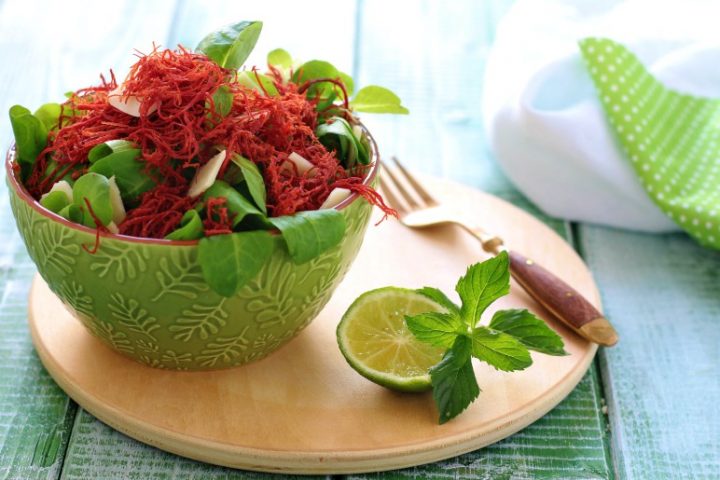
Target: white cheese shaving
206, 175
130, 105
335, 198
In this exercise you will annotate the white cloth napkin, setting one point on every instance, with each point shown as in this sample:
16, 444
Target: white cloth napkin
544, 120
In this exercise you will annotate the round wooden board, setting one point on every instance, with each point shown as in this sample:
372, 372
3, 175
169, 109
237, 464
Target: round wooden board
303, 409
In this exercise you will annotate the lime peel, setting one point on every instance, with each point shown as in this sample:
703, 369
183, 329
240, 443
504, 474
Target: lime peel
374, 339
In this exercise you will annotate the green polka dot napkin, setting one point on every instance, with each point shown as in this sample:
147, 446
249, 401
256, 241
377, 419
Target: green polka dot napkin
671, 138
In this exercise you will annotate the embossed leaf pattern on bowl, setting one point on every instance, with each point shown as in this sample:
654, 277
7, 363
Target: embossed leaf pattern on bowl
149, 301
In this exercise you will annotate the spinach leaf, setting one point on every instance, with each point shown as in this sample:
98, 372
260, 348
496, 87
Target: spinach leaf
72, 212
49, 115
229, 261
279, 58
55, 201
30, 134
230, 46
374, 99
102, 150
222, 100
238, 206
315, 69
310, 233
96, 189
129, 173
253, 179
338, 135
258, 82
191, 227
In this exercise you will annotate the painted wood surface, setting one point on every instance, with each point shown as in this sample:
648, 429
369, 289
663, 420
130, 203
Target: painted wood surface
661, 382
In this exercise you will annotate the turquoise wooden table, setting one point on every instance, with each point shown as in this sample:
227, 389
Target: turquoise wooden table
649, 408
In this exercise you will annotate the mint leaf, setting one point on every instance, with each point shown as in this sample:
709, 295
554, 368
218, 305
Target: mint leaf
308, 234
499, 350
374, 99
279, 58
453, 381
440, 298
435, 328
228, 262
230, 46
483, 284
529, 330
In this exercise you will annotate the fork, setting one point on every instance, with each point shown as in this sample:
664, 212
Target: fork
418, 209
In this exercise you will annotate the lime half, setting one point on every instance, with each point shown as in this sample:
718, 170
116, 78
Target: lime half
376, 342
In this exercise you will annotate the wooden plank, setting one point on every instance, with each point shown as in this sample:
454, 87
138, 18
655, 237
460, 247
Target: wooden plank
436, 64
661, 380
98, 451
44, 55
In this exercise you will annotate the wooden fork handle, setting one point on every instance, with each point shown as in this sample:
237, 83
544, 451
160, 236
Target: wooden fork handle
562, 300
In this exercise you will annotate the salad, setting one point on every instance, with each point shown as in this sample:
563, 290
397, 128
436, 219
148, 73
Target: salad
192, 146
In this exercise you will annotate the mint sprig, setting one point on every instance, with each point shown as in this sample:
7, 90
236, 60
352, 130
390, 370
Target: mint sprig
505, 343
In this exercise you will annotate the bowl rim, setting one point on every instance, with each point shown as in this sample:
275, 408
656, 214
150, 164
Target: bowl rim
20, 190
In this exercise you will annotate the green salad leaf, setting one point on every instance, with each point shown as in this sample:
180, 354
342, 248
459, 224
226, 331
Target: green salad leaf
316, 69
337, 134
308, 234
228, 262
130, 173
230, 46
222, 102
30, 134
72, 212
191, 227
279, 58
374, 99
49, 115
238, 206
96, 189
55, 201
102, 150
257, 81
504, 344
254, 181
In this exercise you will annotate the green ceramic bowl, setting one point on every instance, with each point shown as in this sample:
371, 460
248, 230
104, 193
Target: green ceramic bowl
147, 299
